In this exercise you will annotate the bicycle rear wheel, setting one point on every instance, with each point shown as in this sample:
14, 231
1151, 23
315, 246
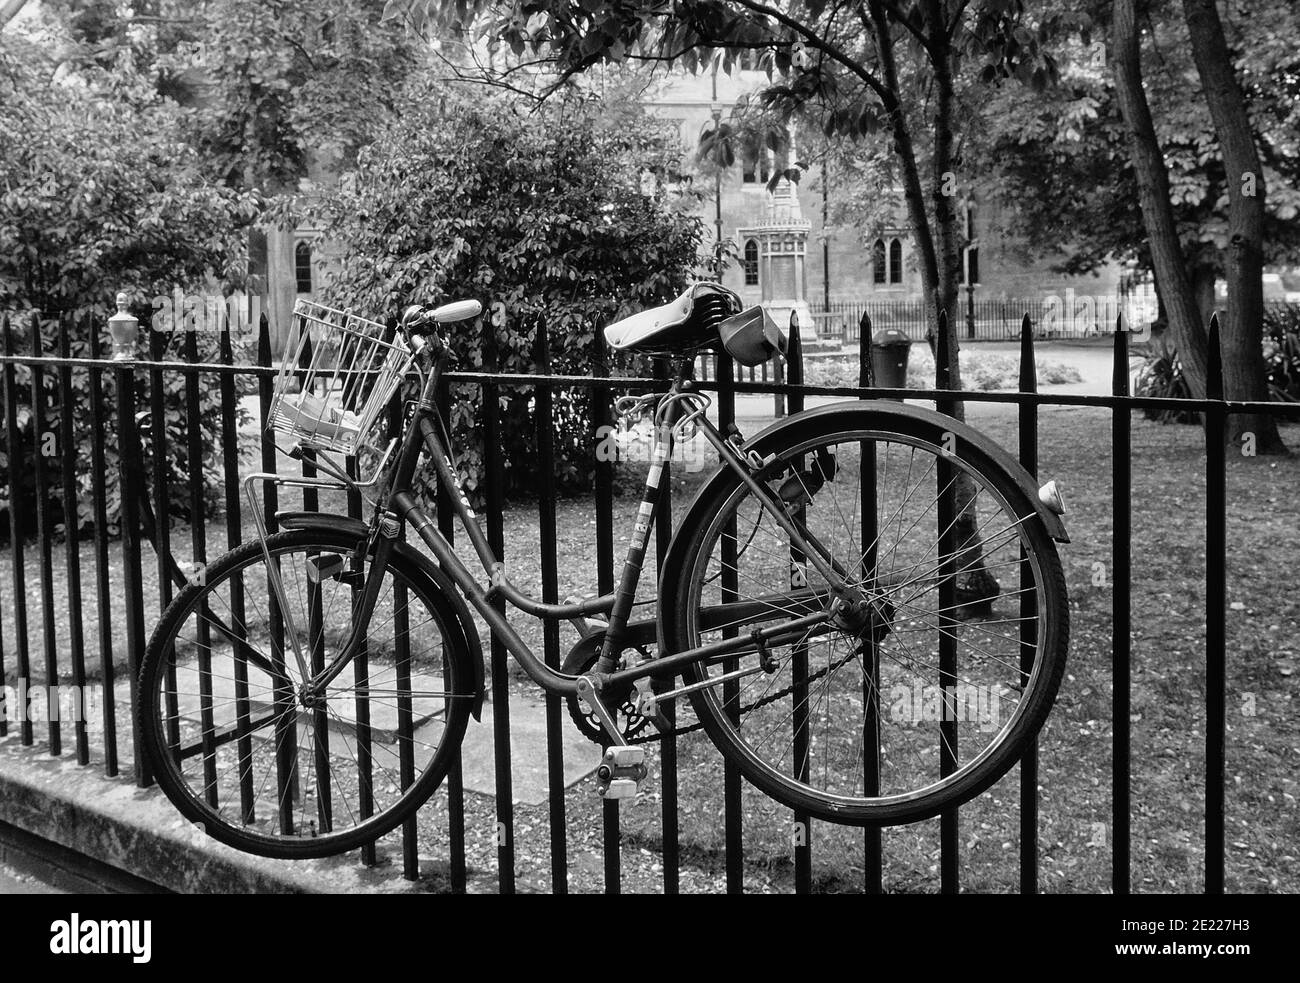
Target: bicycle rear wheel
243, 751
928, 688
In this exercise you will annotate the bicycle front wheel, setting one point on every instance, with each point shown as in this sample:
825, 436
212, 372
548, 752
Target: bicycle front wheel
948, 645
247, 752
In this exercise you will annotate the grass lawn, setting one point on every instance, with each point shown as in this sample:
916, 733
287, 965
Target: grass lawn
1075, 831
981, 371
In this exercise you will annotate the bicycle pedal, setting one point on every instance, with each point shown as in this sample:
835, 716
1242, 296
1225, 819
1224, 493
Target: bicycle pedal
625, 756
621, 771
619, 788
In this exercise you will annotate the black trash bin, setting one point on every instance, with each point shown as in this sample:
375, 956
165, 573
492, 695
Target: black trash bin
889, 350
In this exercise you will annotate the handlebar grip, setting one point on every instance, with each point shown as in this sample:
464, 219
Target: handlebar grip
457, 310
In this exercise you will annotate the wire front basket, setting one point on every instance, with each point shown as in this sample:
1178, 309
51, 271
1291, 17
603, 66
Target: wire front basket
337, 377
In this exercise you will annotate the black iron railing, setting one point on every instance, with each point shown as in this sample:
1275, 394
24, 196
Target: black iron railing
89, 647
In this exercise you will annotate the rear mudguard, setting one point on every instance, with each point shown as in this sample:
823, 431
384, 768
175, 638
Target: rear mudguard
461, 617
900, 418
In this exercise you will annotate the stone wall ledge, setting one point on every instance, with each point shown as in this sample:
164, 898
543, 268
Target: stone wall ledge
137, 831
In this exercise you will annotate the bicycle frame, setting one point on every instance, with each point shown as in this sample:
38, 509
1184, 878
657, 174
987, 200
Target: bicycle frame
399, 507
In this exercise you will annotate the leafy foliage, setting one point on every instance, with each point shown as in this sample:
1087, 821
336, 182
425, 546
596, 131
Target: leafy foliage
99, 192
1162, 373
847, 70
1282, 350
1058, 159
294, 87
278, 89
1161, 376
553, 219
175, 421
141, 145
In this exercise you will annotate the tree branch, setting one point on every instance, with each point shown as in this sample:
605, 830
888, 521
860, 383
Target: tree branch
9, 9
956, 20
816, 41
898, 15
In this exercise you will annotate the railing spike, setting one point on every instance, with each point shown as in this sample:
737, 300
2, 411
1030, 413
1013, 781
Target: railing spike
1028, 367
865, 375
1119, 372
942, 354
1214, 362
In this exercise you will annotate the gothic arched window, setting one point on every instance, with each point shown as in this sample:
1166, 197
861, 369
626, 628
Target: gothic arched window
751, 263
878, 274
302, 267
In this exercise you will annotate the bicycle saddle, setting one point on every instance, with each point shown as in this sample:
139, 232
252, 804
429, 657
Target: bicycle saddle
688, 322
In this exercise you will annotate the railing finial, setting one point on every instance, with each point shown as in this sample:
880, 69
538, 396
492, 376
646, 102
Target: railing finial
123, 327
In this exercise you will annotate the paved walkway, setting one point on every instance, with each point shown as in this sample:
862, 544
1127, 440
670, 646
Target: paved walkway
17, 882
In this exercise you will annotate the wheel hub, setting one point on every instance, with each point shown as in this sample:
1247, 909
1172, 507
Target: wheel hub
311, 698
868, 619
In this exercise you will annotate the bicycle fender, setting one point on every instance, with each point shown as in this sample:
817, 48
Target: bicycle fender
446, 587
916, 421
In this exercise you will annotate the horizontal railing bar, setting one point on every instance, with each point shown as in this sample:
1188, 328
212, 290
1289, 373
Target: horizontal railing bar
218, 368
757, 388
1061, 399
847, 392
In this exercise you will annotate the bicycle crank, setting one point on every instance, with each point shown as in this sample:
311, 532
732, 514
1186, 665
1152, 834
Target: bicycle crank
622, 769
581, 660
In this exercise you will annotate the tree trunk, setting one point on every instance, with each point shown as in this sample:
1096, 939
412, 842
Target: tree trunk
944, 184
1185, 329
904, 149
975, 584
9, 9
1244, 373
940, 288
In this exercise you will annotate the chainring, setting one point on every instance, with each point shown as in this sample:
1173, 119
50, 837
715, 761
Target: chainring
582, 658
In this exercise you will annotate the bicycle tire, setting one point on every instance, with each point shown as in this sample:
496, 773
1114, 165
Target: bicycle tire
722, 718
259, 828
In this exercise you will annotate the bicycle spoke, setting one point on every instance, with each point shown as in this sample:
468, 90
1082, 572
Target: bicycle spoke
267, 760
878, 731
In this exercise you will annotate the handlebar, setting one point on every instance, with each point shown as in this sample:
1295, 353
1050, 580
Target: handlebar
423, 320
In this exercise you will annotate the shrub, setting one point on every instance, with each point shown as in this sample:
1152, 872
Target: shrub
100, 192
543, 217
1161, 376
1282, 350
176, 422
1162, 373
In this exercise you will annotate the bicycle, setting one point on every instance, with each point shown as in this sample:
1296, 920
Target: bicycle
312, 691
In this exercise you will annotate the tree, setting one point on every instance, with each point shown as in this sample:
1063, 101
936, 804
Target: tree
1154, 198
1244, 369
276, 87
1243, 361
544, 217
847, 67
101, 190
1062, 165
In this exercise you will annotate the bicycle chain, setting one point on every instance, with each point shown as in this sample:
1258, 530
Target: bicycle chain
770, 698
